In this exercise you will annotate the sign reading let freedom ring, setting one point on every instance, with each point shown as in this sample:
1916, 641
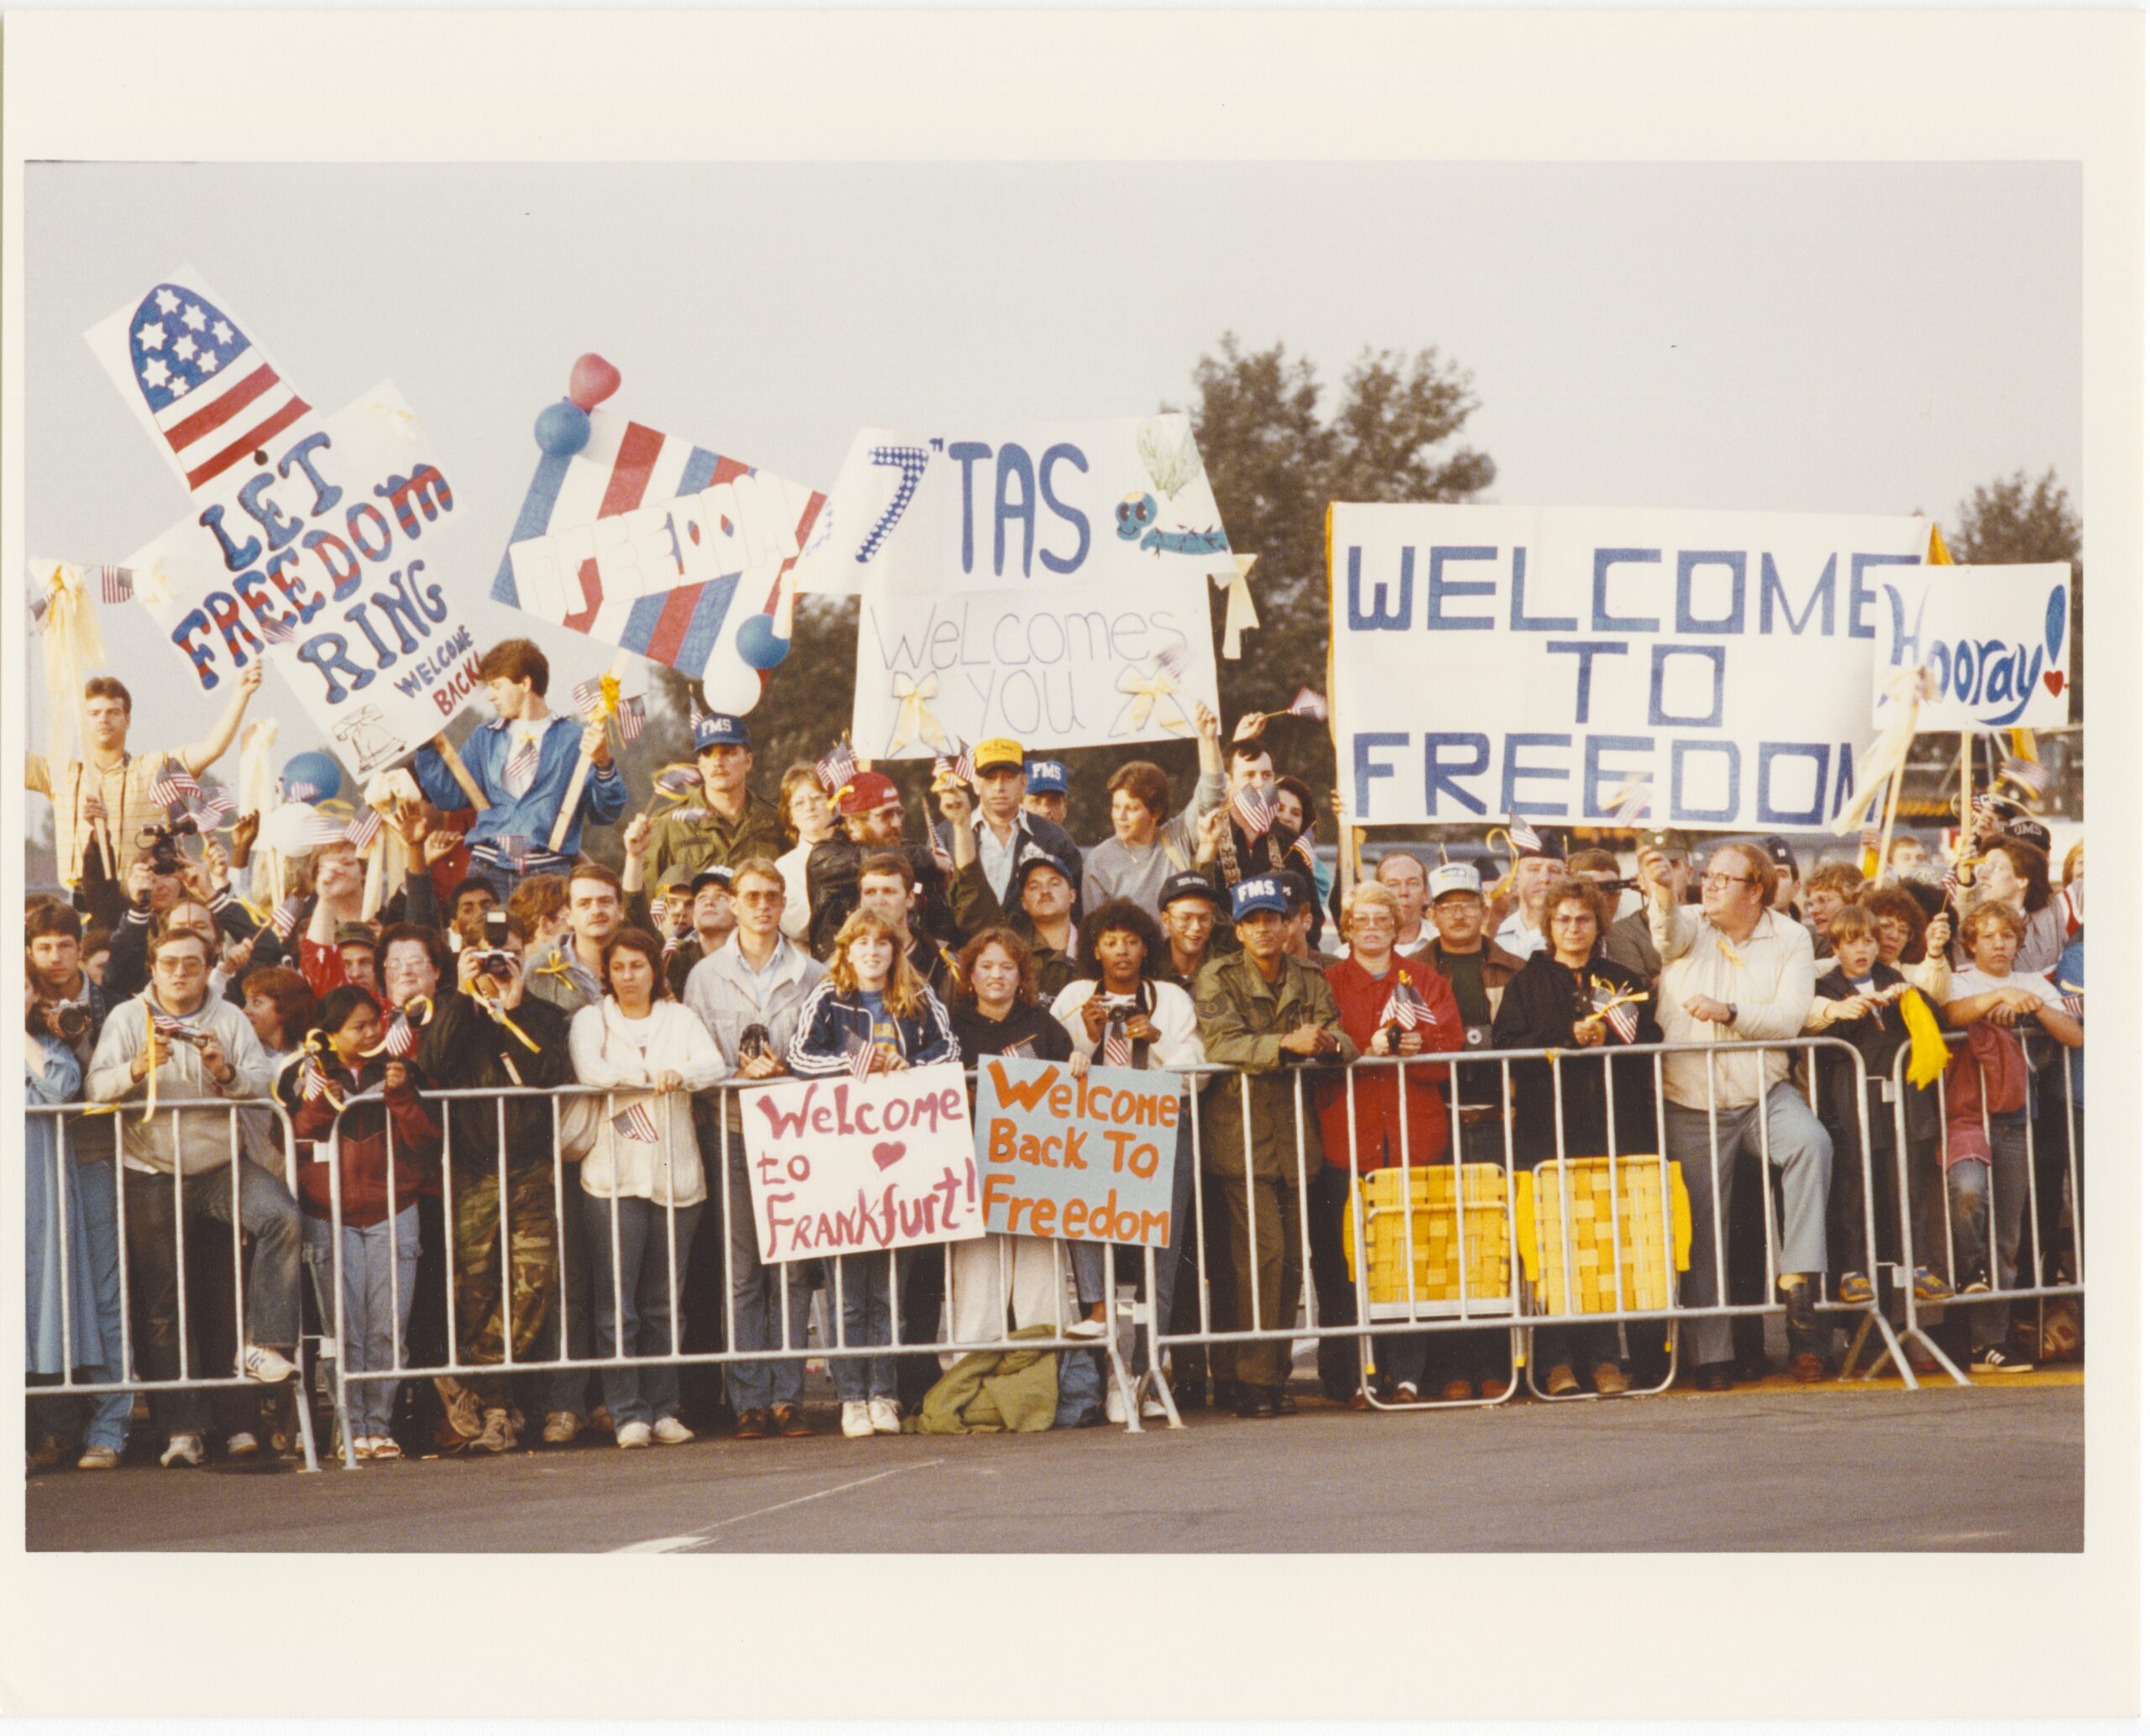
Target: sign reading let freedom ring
1090, 1159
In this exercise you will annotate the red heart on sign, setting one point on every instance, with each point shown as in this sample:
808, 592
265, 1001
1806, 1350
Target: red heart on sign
887, 1152
2055, 680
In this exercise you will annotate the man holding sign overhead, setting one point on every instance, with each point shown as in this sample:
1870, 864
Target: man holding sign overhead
523, 764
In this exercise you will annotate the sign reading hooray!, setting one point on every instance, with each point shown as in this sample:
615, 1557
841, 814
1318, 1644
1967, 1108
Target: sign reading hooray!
650, 542
997, 510
1995, 640
303, 547
1670, 669
1109, 661
852, 1166
1090, 1158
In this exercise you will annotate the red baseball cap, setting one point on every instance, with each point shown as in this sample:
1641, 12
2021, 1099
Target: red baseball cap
865, 793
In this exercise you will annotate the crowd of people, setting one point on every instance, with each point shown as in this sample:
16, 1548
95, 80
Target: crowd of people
747, 940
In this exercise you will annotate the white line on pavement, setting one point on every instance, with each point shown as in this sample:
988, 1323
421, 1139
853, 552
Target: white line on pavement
668, 1545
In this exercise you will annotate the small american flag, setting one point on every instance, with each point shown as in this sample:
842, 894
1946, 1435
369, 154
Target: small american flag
165, 1025
942, 859
281, 631
364, 827
1307, 703
206, 819
677, 780
1633, 797
2028, 773
961, 766
1118, 1051
631, 714
2071, 1001
174, 786
1619, 1015
586, 695
301, 789
285, 916
1255, 809
1523, 835
403, 1038
313, 1084
217, 804
634, 1122
1404, 1008
213, 396
862, 1059
1024, 1051
836, 768
116, 584
522, 760
1302, 847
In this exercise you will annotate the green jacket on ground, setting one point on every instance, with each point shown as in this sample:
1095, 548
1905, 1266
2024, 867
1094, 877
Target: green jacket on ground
995, 1392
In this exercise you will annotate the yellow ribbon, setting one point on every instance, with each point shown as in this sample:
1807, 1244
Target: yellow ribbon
1240, 618
1725, 947
498, 1015
150, 1078
1634, 997
1929, 1052
317, 1045
1144, 694
913, 721
72, 647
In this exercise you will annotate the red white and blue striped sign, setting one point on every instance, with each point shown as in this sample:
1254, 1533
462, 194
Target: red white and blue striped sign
702, 541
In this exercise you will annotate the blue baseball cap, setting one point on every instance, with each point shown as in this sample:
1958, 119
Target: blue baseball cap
1264, 892
1048, 777
720, 729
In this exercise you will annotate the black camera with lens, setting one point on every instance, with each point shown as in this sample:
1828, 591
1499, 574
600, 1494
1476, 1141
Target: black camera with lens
495, 960
68, 1021
160, 844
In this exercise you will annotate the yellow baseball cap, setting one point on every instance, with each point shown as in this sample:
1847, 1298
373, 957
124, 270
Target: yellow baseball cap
992, 755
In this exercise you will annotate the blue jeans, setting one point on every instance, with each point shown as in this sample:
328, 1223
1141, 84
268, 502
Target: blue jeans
1986, 1223
769, 1306
381, 1277
648, 1279
858, 1299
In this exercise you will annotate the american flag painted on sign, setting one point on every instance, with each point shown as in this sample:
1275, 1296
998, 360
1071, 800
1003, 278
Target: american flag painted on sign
634, 1122
641, 598
213, 396
1255, 809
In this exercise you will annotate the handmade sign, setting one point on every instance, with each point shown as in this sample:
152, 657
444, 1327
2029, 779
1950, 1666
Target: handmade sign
301, 547
1090, 1159
1994, 639
1112, 660
1000, 509
663, 547
1683, 668
854, 1165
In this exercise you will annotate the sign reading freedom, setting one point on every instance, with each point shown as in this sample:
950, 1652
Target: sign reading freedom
1560, 663
1089, 1159
854, 1165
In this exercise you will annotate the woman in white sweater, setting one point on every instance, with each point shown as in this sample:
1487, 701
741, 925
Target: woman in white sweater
809, 817
641, 1176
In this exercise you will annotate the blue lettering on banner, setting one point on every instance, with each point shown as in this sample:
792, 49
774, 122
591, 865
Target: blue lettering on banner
1380, 617
967, 452
1583, 650
1365, 768
325, 494
1438, 588
1769, 809
1862, 593
1063, 452
266, 513
1684, 810
1823, 597
1595, 774
1659, 655
1732, 623
1519, 622
1903, 641
238, 558
1601, 620
1441, 775
1514, 772
1014, 464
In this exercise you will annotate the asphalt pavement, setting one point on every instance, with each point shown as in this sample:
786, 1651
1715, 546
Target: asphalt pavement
1998, 1467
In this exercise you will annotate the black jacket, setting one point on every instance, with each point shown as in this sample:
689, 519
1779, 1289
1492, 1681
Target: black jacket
1539, 1010
463, 1048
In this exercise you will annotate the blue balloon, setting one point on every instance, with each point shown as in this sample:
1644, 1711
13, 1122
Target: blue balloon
561, 430
2056, 621
313, 776
759, 648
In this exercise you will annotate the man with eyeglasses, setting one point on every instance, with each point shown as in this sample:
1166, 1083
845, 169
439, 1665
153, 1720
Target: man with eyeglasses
1736, 971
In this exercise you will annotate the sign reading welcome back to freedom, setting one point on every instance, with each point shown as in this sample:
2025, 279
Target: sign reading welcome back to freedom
854, 1165
1090, 1159
1700, 668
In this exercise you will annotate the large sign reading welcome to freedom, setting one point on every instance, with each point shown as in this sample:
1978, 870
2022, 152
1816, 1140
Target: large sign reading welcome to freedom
1698, 669
312, 543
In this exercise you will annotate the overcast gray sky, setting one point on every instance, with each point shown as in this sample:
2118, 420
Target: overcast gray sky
1848, 338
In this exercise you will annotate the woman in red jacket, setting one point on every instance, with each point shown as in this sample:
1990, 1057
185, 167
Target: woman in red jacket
351, 1088
1388, 1008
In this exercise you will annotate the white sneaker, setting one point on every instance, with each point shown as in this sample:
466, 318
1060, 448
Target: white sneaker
1115, 1406
1153, 1408
885, 1416
98, 1458
857, 1421
261, 1363
633, 1434
1087, 1328
182, 1449
670, 1431
241, 1446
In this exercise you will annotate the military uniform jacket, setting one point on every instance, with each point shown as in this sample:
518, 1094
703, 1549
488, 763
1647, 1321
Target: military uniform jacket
1241, 1019
694, 835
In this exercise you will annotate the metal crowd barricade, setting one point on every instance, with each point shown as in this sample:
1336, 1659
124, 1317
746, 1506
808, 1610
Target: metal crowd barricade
189, 1378
1998, 1289
1303, 1317
566, 1222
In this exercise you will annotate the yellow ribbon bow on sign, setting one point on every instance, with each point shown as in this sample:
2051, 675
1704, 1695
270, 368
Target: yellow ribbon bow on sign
1144, 692
913, 721
1239, 617
399, 420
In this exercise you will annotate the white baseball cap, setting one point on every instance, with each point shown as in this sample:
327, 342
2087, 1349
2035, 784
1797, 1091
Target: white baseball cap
1453, 876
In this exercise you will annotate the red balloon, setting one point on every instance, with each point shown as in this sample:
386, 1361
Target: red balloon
591, 381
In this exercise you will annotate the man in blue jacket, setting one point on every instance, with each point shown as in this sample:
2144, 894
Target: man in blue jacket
522, 763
